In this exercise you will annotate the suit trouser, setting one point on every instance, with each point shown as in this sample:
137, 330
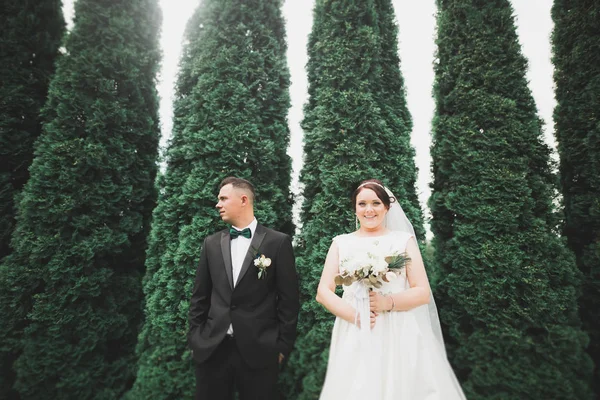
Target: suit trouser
225, 370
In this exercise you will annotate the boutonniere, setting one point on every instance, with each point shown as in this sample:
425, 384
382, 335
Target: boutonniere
262, 263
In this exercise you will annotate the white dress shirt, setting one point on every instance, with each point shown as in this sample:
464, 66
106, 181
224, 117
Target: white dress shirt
239, 248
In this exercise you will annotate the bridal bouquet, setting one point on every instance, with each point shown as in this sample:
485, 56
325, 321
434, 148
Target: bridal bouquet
372, 269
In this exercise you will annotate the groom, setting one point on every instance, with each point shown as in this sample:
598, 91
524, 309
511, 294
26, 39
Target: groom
243, 313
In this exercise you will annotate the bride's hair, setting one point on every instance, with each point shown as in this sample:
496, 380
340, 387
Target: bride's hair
376, 186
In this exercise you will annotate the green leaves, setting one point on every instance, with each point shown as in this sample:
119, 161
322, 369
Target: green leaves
71, 290
397, 261
30, 38
577, 77
504, 277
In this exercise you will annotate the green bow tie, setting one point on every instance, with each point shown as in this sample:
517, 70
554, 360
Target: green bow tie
234, 233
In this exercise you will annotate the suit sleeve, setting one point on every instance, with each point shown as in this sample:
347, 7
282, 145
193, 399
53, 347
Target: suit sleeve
288, 297
200, 301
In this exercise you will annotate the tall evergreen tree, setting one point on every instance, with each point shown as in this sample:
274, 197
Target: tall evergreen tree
392, 101
70, 293
508, 288
230, 119
356, 126
576, 41
30, 35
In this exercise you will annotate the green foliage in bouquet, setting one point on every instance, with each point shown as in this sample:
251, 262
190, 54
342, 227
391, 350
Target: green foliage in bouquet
374, 273
398, 262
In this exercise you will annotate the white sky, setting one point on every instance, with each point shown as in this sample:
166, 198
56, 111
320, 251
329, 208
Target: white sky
416, 20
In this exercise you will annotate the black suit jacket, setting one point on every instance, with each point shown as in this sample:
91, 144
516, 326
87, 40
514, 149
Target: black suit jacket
264, 312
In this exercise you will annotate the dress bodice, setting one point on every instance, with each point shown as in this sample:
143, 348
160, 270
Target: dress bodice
353, 246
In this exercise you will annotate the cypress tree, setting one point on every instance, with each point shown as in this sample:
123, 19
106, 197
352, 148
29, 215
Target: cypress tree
508, 287
70, 292
30, 35
356, 126
230, 118
576, 40
392, 99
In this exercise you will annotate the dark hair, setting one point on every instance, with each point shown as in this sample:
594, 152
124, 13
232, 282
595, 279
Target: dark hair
239, 183
376, 186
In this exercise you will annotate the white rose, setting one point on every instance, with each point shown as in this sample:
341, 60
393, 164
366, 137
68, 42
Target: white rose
380, 265
256, 262
390, 276
267, 262
353, 265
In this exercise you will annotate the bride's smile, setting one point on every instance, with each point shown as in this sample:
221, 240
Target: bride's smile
370, 210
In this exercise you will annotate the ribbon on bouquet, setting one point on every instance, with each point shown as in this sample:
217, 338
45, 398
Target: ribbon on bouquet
369, 355
363, 310
363, 316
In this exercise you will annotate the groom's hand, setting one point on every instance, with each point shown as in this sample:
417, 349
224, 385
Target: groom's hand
281, 357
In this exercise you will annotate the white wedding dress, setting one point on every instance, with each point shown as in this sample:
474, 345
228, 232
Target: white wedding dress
400, 358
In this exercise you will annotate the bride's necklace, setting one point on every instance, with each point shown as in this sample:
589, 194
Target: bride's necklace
375, 234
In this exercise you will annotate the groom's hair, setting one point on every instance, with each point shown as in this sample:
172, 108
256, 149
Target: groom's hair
239, 183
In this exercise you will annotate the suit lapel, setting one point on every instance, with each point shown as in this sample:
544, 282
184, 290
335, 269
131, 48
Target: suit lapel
226, 252
257, 239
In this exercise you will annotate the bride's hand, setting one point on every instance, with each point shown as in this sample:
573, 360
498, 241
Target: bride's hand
373, 318
378, 302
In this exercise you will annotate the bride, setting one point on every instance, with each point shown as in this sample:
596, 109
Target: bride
386, 343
